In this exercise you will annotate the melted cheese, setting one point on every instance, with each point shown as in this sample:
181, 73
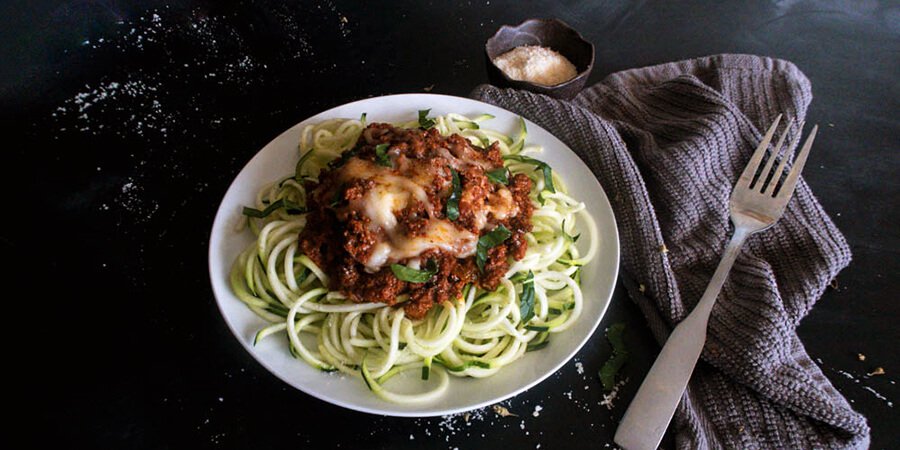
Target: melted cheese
439, 234
500, 205
392, 193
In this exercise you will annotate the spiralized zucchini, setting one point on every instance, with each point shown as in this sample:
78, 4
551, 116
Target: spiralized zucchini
473, 336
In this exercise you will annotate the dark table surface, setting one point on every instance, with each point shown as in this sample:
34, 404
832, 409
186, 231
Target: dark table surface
132, 118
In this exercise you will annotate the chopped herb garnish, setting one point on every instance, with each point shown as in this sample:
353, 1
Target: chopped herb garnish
488, 241
526, 300
381, 156
334, 164
545, 168
615, 362
289, 207
424, 122
338, 197
500, 175
414, 275
452, 206
303, 159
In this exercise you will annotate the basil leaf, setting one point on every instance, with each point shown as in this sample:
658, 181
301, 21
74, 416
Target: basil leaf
545, 168
424, 122
300, 163
338, 162
338, 197
526, 300
452, 206
615, 362
414, 275
289, 206
495, 237
500, 175
548, 178
488, 241
381, 156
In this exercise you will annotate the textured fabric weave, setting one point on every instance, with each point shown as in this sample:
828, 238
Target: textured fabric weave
668, 143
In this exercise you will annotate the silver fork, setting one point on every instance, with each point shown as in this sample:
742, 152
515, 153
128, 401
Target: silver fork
757, 202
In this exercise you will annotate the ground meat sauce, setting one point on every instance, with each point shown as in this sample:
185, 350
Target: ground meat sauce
379, 205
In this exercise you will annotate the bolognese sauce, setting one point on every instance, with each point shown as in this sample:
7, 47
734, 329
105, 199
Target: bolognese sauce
385, 201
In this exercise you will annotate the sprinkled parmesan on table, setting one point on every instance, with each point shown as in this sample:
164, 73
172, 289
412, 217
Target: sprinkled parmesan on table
536, 64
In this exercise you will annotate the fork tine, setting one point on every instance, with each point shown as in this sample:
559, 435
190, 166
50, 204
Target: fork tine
776, 151
753, 164
787, 189
776, 177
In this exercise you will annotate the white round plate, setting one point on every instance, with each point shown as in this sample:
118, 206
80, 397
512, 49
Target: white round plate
278, 158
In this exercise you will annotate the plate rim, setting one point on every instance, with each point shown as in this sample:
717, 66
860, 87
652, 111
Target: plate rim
220, 219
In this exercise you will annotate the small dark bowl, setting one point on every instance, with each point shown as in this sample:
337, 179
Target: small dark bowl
551, 33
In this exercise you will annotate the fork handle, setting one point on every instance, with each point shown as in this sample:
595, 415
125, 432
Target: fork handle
649, 414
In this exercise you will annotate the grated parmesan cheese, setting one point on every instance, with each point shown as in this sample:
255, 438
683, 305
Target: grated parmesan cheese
536, 64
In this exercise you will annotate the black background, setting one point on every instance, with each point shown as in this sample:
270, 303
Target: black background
127, 121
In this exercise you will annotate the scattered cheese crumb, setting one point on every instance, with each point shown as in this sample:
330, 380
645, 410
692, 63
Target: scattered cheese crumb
503, 412
537, 411
861, 357
536, 64
609, 398
877, 371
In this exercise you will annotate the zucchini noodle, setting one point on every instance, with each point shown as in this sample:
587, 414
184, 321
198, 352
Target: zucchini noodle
473, 336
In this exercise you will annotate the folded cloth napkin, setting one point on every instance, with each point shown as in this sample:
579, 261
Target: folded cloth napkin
668, 143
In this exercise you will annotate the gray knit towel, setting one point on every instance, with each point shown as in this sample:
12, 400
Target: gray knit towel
668, 143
